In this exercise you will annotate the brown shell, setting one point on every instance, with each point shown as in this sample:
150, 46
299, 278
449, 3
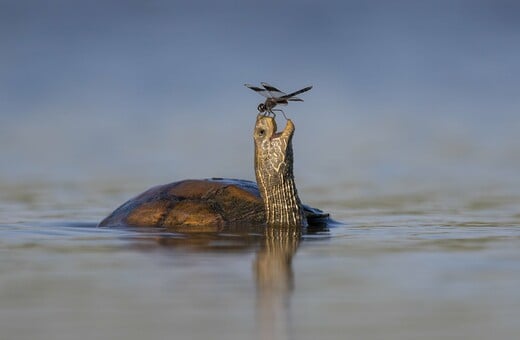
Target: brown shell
196, 205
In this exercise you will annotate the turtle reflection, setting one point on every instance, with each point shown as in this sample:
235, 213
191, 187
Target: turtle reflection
272, 265
274, 279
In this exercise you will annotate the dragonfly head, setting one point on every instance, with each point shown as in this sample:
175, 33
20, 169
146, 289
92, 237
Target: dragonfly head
261, 107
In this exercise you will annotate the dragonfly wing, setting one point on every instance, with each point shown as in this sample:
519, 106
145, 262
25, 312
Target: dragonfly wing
287, 96
273, 91
260, 91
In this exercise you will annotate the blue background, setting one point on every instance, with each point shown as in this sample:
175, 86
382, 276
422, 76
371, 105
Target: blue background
153, 90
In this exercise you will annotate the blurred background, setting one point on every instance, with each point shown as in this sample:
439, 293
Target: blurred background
406, 93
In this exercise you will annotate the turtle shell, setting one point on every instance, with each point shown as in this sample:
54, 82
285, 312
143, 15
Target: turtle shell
197, 205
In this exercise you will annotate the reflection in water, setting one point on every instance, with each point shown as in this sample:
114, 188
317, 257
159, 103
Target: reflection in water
275, 281
272, 266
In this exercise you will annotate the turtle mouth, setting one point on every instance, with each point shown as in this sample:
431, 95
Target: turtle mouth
285, 133
267, 129
276, 135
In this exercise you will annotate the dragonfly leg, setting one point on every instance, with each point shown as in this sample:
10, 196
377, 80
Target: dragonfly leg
283, 113
268, 113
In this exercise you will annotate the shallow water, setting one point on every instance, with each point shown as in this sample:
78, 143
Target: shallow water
406, 264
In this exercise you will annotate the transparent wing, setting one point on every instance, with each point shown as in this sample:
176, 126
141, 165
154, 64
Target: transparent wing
273, 91
291, 96
260, 91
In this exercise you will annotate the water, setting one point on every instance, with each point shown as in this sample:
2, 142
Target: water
406, 264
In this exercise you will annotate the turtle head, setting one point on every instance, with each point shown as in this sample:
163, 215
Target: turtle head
274, 171
266, 136
273, 150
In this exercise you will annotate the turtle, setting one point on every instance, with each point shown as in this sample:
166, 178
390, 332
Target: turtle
217, 203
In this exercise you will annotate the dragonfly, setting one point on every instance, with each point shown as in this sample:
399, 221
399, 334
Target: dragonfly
275, 97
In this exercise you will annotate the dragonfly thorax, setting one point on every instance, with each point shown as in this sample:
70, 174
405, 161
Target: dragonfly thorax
268, 105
